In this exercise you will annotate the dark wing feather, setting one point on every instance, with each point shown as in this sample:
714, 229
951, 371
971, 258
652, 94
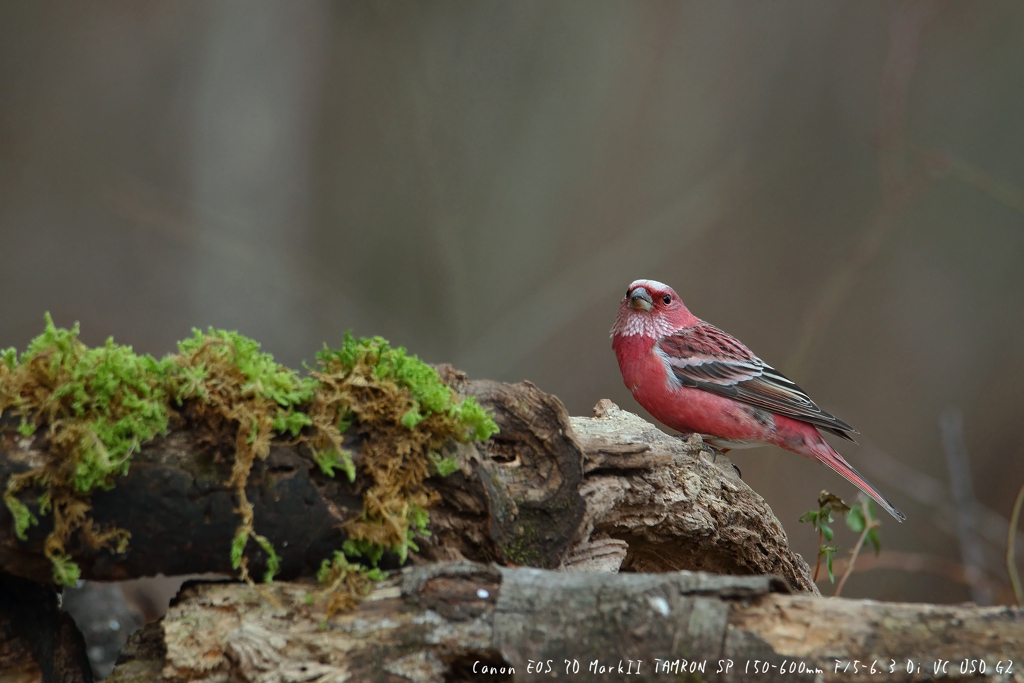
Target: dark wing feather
705, 357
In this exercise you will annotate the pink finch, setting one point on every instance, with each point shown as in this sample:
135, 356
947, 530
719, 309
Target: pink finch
696, 378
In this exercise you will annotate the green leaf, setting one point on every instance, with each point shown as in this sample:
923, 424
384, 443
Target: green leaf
826, 531
827, 551
810, 516
873, 538
855, 520
871, 509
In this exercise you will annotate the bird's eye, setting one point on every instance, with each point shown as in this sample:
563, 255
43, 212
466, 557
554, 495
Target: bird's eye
667, 299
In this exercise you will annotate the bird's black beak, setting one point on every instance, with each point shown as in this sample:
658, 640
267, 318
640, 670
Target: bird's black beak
640, 300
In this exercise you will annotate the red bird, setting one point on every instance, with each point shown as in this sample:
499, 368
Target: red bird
696, 378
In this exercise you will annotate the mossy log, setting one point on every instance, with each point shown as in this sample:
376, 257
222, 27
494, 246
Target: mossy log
472, 622
548, 491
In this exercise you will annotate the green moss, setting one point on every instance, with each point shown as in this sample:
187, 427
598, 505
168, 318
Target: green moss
291, 422
238, 547
101, 404
443, 466
265, 379
344, 583
339, 563
117, 394
237, 384
273, 559
65, 571
405, 413
23, 517
333, 458
429, 394
355, 548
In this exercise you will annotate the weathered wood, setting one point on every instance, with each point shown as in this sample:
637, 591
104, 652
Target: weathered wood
676, 504
445, 622
518, 497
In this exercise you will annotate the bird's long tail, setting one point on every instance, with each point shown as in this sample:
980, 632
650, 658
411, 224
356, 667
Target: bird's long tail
804, 439
824, 453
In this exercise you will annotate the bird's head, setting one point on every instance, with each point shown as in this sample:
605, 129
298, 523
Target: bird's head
651, 309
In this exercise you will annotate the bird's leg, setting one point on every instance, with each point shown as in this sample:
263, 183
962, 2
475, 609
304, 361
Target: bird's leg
714, 456
705, 446
708, 447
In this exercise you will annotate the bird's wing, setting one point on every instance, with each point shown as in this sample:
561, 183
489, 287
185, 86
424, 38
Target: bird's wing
705, 357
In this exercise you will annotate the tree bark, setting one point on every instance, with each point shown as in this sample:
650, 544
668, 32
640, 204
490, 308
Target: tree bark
466, 622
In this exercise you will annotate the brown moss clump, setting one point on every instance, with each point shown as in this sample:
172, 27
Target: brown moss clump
232, 386
344, 583
404, 414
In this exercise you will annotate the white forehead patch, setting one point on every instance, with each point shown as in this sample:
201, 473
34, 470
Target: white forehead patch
648, 284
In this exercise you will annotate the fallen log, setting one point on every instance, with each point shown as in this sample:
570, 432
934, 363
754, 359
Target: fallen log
605, 493
468, 622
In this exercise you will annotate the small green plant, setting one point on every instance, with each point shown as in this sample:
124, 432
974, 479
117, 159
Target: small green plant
861, 520
820, 519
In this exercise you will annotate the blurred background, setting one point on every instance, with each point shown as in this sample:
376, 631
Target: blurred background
838, 184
